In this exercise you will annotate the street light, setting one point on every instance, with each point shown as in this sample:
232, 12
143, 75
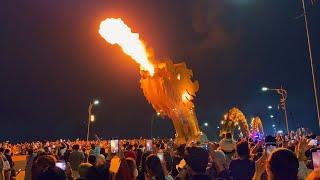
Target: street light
96, 102
269, 107
283, 93
271, 116
273, 125
154, 116
91, 117
206, 124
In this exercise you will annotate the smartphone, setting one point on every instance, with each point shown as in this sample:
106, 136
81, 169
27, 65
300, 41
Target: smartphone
316, 159
313, 142
61, 165
114, 143
160, 155
149, 145
270, 149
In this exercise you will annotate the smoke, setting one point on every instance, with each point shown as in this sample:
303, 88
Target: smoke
209, 25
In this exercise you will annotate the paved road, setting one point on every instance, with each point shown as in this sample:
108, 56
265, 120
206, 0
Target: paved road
20, 163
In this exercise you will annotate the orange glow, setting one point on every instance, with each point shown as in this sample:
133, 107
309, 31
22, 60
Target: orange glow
186, 96
115, 31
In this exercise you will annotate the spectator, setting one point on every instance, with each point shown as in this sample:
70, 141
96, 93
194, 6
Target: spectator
154, 168
228, 146
99, 170
45, 169
197, 162
142, 168
6, 170
281, 165
92, 159
30, 158
132, 168
76, 157
129, 152
178, 156
1, 168
167, 165
83, 170
242, 168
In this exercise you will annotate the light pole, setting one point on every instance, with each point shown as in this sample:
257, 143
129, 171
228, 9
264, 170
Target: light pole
91, 117
311, 60
283, 93
152, 121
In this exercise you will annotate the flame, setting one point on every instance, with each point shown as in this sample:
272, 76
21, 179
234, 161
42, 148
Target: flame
186, 96
115, 31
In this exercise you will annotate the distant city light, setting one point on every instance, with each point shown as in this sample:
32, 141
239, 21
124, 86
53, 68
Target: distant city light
158, 113
222, 122
206, 124
269, 107
273, 125
264, 89
218, 127
271, 116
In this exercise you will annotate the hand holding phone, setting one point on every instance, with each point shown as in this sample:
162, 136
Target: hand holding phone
160, 155
114, 143
61, 165
270, 149
316, 159
149, 145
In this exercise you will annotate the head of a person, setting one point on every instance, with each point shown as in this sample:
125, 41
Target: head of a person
30, 151
92, 159
197, 159
154, 167
83, 169
1, 150
243, 149
131, 163
76, 147
102, 151
282, 164
181, 150
7, 152
45, 162
101, 160
228, 135
93, 146
53, 174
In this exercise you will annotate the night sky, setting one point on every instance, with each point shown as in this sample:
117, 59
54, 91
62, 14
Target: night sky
53, 62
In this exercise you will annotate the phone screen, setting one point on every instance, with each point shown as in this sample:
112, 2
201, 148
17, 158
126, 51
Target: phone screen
269, 149
149, 145
114, 143
313, 142
61, 165
316, 159
160, 155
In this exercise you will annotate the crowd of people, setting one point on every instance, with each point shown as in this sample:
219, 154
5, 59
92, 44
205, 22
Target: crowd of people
280, 157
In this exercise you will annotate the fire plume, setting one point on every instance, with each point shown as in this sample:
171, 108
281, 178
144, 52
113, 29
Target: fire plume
115, 31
